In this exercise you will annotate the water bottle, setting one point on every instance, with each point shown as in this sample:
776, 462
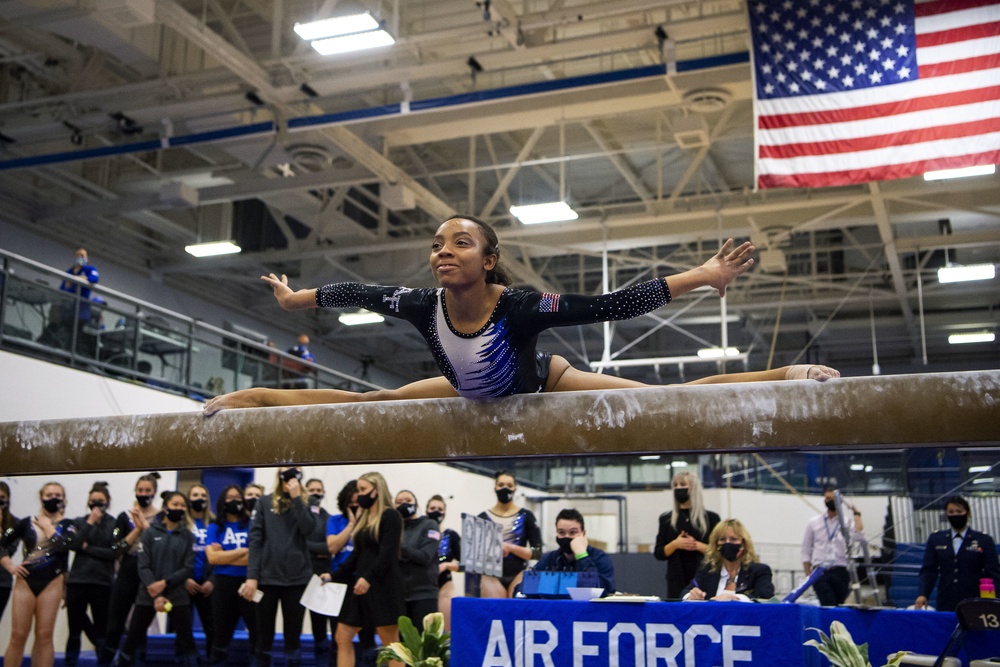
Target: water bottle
987, 589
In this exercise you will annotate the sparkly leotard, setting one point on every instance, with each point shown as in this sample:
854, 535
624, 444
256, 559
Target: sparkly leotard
500, 358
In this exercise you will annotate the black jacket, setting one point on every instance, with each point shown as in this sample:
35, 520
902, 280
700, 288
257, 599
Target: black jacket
279, 553
958, 577
418, 558
753, 580
682, 565
94, 562
6, 580
166, 555
319, 553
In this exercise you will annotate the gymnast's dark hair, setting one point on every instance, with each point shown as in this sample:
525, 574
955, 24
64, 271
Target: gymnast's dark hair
151, 478
102, 488
498, 275
503, 472
220, 508
344, 497
8, 520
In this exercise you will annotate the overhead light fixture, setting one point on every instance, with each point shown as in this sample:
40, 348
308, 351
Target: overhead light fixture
717, 352
360, 317
857, 466
978, 337
535, 214
212, 248
978, 469
357, 42
984, 480
959, 274
978, 170
650, 457
678, 464
342, 34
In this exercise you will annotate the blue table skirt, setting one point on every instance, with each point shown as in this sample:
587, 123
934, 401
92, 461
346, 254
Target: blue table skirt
564, 633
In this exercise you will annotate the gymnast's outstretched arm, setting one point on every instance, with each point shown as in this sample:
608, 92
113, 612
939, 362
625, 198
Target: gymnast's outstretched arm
797, 372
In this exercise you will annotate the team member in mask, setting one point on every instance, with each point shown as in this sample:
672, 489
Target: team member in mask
682, 539
823, 546
956, 559
319, 555
92, 574
418, 558
38, 581
575, 554
166, 561
522, 539
127, 532
7, 522
251, 495
449, 557
731, 570
228, 539
201, 585
279, 564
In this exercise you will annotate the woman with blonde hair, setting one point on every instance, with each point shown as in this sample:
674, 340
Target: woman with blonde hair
731, 570
682, 539
278, 564
372, 573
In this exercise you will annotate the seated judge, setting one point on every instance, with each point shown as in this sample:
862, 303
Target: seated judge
575, 553
731, 570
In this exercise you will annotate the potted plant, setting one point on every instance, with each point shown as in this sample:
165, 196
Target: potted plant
840, 649
431, 648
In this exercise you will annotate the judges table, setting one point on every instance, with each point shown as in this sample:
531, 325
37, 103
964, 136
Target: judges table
564, 633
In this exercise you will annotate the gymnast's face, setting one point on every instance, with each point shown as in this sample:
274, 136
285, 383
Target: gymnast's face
458, 254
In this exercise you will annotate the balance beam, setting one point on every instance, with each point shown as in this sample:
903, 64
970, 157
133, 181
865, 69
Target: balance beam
889, 411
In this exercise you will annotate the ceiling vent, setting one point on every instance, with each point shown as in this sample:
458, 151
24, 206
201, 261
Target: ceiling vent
126, 13
309, 157
706, 100
690, 131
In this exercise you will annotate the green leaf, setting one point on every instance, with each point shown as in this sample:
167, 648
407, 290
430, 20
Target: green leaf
410, 636
434, 624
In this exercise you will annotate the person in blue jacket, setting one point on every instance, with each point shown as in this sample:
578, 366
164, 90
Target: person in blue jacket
575, 553
956, 559
82, 269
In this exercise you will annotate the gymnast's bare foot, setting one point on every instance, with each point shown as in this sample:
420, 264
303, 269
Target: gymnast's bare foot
244, 398
816, 372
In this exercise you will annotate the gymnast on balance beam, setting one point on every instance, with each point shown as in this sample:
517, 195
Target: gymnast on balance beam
483, 334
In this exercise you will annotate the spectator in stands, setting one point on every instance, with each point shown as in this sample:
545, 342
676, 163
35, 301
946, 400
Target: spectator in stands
731, 570
279, 564
166, 562
575, 553
228, 539
319, 554
956, 559
823, 546
7, 522
128, 530
39, 578
92, 574
682, 539
296, 370
201, 585
82, 269
251, 495
522, 539
301, 349
449, 558
418, 558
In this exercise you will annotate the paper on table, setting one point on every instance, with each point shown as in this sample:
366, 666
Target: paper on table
323, 598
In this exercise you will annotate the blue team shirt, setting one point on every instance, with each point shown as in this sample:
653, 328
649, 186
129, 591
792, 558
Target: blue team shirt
200, 532
334, 526
233, 536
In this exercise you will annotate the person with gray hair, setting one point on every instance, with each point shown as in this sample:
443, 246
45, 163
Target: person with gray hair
682, 539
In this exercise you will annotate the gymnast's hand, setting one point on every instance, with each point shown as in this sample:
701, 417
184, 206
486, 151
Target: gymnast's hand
725, 266
361, 586
282, 292
243, 398
816, 372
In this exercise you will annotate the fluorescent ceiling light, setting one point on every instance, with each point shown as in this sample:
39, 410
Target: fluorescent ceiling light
857, 466
984, 480
979, 170
360, 317
869, 468
212, 248
980, 337
535, 214
333, 27
959, 274
356, 42
678, 464
717, 352
650, 457
975, 469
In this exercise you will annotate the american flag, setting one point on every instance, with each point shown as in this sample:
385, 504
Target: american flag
549, 303
852, 91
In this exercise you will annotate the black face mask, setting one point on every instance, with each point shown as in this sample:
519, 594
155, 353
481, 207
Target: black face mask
831, 505
407, 509
4, 502
144, 501
729, 551
958, 521
682, 494
174, 515
251, 503
366, 502
290, 474
437, 516
505, 495
563, 543
199, 505
97, 505
315, 499
52, 505
234, 507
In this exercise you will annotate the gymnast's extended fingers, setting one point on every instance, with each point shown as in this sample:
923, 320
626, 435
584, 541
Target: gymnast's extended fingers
822, 373
742, 253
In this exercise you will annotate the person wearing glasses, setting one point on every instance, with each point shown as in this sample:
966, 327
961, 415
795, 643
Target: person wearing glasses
731, 570
575, 553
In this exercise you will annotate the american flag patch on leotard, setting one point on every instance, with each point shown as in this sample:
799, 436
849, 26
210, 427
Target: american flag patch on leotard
549, 303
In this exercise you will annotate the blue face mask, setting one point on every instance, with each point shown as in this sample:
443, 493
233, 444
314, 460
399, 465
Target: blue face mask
80, 261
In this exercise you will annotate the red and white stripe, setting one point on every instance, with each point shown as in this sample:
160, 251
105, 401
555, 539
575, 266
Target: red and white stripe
949, 117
